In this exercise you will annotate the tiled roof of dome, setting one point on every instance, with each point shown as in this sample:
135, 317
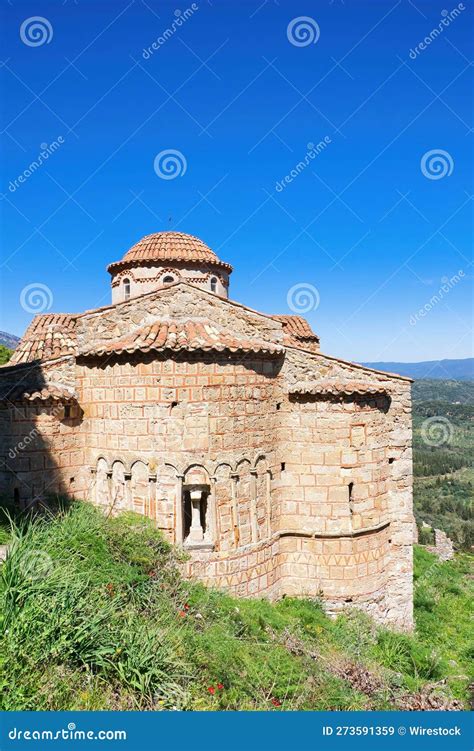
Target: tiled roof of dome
169, 246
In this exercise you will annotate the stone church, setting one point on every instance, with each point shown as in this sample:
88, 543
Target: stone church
281, 470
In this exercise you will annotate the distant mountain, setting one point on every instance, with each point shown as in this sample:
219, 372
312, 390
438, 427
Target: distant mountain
452, 370
9, 340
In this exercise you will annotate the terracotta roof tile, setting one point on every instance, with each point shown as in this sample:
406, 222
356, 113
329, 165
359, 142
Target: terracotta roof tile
57, 393
187, 335
15, 391
298, 333
169, 246
48, 336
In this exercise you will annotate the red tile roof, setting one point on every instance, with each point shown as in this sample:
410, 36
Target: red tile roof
48, 336
187, 335
34, 389
298, 333
168, 247
57, 393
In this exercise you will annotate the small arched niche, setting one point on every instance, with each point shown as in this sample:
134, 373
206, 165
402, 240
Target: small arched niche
102, 483
139, 487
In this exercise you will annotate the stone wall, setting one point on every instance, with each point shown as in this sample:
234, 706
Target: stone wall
176, 302
443, 546
307, 494
179, 417
41, 443
343, 477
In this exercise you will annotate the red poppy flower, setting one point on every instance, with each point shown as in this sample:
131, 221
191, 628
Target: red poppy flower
211, 690
220, 686
182, 614
275, 702
186, 607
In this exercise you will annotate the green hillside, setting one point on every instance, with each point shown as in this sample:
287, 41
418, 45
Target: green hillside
95, 615
444, 391
443, 457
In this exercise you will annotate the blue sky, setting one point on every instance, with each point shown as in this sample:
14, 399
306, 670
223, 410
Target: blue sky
361, 223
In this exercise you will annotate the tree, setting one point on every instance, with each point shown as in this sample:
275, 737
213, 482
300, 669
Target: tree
5, 354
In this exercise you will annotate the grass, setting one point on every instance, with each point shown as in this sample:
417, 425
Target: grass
95, 615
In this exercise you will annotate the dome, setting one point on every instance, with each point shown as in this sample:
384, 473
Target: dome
169, 247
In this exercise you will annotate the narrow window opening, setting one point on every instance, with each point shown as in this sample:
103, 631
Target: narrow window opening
195, 517
126, 289
16, 496
351, 499
283, 466
168, 279
278, 405
203, 514
187, 514
213, 284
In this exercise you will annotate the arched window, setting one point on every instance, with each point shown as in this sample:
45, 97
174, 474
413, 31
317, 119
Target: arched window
213, 284
168, 279
126, 289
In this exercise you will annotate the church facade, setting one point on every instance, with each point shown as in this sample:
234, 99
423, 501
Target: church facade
280, 470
